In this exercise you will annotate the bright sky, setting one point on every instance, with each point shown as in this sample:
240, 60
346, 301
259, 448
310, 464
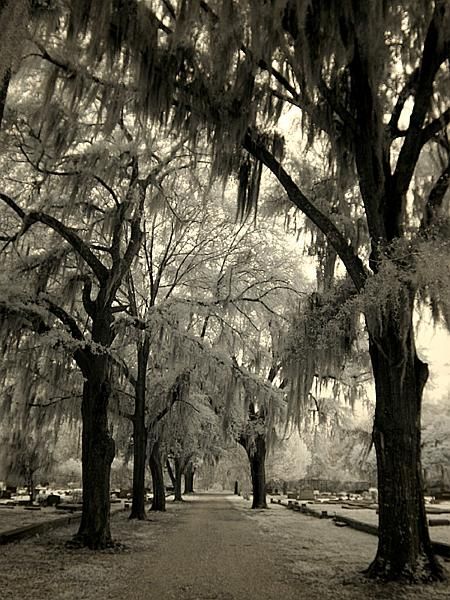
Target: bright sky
433, 346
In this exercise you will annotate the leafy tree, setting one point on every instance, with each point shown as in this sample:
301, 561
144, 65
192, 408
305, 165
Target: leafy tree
72, 295
353, 71
200, 276
143, 288
27, 455
435, 445
289, 458
349, 69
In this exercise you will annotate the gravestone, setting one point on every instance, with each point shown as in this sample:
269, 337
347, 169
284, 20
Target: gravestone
53, 500
305, 494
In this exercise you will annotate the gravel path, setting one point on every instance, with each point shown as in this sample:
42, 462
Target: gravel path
216, 553
212, 547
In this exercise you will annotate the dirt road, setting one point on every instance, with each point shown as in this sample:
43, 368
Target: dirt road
216, 553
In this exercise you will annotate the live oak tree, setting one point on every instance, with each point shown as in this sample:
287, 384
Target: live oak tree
74, 292
26, 454
354, 71
261, 322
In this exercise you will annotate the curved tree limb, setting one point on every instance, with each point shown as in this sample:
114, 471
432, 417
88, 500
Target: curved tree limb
352, 262
100, 271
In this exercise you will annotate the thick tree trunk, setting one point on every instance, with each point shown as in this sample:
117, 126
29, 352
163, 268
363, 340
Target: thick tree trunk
257, 456
159, 492
97, 456
189, 479
140, 434
404, 547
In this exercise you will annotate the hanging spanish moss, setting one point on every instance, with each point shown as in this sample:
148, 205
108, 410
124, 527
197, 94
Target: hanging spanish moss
318, 346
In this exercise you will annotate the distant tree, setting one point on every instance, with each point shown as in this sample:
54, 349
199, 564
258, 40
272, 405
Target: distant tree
289, 458
435, 442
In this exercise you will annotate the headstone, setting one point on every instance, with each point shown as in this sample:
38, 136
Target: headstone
438, 522
53, 500
305, 494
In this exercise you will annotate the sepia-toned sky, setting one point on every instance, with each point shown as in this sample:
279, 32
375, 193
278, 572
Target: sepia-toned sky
433, 346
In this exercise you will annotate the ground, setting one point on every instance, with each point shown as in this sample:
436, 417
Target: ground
209, 547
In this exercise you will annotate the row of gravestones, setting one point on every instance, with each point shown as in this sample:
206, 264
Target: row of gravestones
301, 495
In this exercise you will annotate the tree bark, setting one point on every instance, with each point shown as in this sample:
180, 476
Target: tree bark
31, 486
178, 479
139, 461
140, 434
404, 546
97, 444
189, 478
97, 456
176, 476
4, 93
257, 460
256, 452
159, 494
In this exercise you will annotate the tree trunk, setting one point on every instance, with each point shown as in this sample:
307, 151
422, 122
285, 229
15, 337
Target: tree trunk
176, 476
404, 547
189, 479
178, 479
97, 456
257, 456
4, 93
140, 434
31, 487
159, 495
139, 461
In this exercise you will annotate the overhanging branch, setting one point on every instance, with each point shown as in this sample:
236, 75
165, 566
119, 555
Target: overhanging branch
346, 253
65, 232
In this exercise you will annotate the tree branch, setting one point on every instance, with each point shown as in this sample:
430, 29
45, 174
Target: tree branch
436, 197
346, 253
435, 127
403, 96
65, 232
65, 319
435, 51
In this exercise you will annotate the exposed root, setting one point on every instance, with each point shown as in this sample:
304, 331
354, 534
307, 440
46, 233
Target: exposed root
81, 541
425, 570
138, 516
